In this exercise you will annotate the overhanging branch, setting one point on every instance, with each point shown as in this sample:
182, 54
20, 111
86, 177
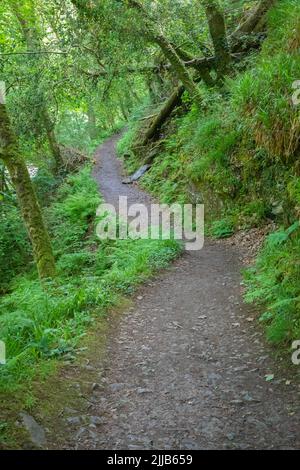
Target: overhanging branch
33, 53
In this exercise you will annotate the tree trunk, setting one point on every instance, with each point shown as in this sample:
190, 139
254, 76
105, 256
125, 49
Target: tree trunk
164, 113
203, 71
54, 147
251, 23
29, 30
178, 67
91, 122
55, 150
123, 109
30, 209
217, 29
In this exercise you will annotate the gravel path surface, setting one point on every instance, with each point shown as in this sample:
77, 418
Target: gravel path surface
186, 365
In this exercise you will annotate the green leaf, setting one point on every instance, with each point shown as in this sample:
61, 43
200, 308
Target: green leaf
269, 377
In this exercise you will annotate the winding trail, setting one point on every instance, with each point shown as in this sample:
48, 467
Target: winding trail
185, 366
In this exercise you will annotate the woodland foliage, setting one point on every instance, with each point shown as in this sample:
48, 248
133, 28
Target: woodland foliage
204, 92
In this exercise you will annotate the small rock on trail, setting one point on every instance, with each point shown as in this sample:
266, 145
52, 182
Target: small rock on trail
35, 430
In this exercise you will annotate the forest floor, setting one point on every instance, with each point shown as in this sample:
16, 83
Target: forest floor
185, 365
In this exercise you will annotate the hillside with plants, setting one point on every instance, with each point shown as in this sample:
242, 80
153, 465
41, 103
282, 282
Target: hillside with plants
238, 154
204, 95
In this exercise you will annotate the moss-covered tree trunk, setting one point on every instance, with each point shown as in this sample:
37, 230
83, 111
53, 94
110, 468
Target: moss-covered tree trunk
254, 18
92, 129
181, 72
55, 150
54, 147
178, 67
29, 27
217, 29
252, 23
30, 209
163, 114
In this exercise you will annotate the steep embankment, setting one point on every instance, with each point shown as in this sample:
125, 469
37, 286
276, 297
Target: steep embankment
239, 155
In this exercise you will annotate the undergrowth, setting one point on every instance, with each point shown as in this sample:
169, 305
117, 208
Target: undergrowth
42, 321
239, 155
274, 283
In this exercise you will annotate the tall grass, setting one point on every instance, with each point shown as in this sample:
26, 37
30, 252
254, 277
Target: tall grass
274, 283
40, 321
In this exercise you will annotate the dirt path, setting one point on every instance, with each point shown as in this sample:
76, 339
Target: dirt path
185, 367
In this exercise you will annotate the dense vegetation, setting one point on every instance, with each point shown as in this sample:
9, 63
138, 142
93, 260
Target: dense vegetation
46, 320
205, 89
238, 154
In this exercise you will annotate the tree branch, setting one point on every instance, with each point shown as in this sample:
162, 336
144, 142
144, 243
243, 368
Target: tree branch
251, 23
32, 52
